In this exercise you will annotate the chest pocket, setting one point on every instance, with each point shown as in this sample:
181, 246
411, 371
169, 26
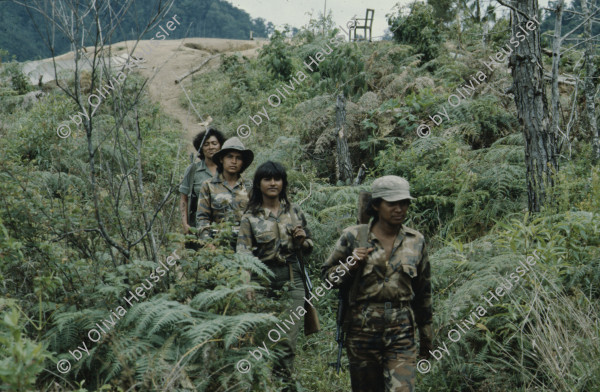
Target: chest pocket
408, 264
376, 264
265, 237
266, 244
221, 202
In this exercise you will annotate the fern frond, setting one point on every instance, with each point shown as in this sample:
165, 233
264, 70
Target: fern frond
205, 299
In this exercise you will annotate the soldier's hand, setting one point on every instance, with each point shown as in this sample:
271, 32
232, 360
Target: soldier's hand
250, 294
361, 256
211, 246
299, 234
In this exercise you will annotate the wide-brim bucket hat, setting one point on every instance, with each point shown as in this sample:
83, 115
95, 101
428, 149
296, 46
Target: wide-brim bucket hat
234, 144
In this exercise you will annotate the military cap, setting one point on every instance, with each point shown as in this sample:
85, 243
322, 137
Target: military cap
391, 188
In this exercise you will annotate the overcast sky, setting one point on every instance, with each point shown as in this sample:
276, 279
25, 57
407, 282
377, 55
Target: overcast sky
295, 12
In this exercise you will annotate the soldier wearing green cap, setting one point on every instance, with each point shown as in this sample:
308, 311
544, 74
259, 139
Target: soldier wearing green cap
225, 196
389, 292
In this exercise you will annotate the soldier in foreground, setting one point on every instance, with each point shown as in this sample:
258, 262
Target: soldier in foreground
388, 291
274, 230
225, 196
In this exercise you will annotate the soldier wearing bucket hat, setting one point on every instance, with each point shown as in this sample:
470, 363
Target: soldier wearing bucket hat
387, 290
225, 196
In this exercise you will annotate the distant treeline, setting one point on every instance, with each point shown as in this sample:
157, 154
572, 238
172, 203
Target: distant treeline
199, 18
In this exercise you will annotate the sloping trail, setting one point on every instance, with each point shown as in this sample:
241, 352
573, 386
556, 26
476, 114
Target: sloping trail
169, 60
172, 59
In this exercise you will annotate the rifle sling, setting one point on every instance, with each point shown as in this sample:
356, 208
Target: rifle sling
350, 291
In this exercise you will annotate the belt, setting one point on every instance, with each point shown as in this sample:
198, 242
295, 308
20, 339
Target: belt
281, 262
386, 305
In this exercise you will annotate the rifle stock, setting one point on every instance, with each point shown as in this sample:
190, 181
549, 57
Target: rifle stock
339, 332
311, 318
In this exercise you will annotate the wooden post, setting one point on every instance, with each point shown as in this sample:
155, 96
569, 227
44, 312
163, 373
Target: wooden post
343, 165
362, 173
364, 198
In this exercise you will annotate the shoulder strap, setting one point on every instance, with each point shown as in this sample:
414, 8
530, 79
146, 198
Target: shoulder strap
363, 236
295, 220
363, 242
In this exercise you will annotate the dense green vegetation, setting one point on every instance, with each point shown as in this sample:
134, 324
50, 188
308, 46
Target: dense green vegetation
199, 18
59, 277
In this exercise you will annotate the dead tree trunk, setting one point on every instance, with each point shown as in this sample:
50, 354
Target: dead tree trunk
343, 165
362, 173
588, 86
556, 44
532, 107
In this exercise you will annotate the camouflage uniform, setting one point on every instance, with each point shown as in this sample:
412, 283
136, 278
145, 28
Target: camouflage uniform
194, 176
269, 238
386, 302
218, 202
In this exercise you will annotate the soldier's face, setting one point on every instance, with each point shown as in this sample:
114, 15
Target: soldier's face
232, 162
393, 213
271, 187
210, 147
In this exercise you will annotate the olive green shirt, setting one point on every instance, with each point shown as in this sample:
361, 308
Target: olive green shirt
195, 174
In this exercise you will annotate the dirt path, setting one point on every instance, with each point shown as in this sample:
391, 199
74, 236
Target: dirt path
173, 59
169, 60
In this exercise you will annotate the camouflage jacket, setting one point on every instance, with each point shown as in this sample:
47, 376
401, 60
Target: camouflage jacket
195, 174
268, 237
406, 276
218, 202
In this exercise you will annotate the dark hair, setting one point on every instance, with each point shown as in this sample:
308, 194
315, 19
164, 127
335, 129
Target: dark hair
200, 137
220, 164
268, 169
370, 211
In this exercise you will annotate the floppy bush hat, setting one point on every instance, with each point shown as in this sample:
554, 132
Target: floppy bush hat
234, 144
391, 188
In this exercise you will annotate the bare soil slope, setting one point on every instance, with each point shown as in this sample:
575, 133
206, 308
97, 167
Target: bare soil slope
173, 59
169, 61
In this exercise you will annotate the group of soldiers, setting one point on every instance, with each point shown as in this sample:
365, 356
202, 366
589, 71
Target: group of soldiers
387, 289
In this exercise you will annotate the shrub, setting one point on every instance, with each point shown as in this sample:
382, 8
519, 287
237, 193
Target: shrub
19, 82
419, 28
276, 58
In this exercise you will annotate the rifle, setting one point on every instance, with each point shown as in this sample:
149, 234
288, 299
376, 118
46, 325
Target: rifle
340, 335
311, 318
344, 292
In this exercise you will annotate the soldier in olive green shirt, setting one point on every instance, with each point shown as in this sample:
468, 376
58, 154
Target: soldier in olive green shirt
207, 143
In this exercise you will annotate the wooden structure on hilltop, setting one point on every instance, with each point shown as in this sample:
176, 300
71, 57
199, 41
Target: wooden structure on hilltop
365, 24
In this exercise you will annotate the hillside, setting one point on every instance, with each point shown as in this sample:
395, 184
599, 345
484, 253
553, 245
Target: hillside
19, 34
85, 219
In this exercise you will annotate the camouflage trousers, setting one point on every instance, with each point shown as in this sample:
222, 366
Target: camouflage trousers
381, 348
284, 366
